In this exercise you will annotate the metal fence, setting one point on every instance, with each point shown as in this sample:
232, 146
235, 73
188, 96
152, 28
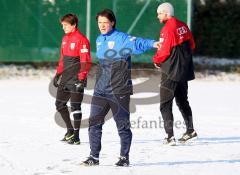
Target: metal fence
30, 30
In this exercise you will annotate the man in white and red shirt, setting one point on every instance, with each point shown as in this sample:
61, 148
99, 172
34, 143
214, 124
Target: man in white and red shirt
174, 59
71, 75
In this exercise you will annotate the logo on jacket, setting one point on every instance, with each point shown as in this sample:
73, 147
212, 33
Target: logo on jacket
181, 31
84, 49
111, 44
132, 38
98, 45
64, 43
72, 46
161, 40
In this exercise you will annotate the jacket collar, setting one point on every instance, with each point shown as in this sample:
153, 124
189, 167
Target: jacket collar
76, 30
171, 20
109, 33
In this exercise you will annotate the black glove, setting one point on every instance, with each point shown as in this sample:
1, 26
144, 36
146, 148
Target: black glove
55, 80
80, 86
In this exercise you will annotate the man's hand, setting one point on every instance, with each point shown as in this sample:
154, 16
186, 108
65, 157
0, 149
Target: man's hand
158, 66
80, 86
55, 80
157, 45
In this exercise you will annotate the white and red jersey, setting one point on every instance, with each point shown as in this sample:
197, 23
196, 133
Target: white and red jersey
175, 53
172, 34
76, 48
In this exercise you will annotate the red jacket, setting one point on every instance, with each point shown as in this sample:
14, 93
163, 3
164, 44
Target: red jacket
75, 46
175, 54
172, 34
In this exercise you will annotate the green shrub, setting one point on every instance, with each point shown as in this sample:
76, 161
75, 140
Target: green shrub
216, 27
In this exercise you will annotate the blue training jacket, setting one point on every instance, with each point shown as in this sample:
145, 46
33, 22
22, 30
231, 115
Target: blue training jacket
114, 51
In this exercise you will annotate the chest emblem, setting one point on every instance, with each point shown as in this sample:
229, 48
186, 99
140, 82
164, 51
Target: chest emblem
72, 46
111, 44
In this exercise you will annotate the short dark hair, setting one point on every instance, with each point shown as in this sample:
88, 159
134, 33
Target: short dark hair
109, 15
70, 18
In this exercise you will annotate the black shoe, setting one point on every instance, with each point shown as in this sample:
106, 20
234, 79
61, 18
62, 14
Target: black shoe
91, 161
169, 141
67, 136
187, 136
74, 141
123, 161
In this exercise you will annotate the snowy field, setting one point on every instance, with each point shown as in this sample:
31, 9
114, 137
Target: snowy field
29, 141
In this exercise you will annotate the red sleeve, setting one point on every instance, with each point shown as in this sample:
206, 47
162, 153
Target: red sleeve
85, 59
165, 48
192, 43
60, 63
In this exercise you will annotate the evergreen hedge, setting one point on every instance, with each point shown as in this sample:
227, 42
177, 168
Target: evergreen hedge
216, 28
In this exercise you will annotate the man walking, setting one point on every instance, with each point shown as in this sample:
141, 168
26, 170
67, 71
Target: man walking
174, 58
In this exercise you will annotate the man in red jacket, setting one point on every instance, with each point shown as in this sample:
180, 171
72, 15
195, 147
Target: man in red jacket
71, 76
174, 59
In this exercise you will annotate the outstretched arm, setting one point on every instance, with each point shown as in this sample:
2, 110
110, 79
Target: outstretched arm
139, 45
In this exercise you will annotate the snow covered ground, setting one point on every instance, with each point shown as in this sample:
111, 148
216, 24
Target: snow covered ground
29, 141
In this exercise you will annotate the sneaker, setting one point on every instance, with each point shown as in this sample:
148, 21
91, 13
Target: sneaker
91, 161
123, 161
67, 137
74, 141
187, 136
169, 141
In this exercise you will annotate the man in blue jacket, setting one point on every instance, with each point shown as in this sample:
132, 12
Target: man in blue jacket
113, 84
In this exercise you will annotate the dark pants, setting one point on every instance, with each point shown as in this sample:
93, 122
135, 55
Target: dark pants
101, 104
63, 96
168, 91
